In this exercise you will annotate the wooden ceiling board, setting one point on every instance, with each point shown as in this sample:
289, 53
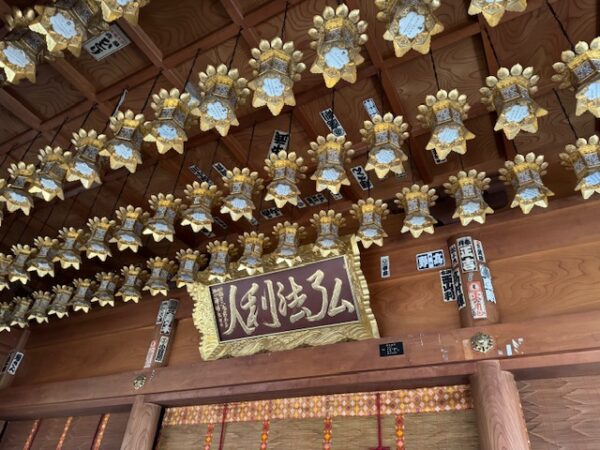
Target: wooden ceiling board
10, 126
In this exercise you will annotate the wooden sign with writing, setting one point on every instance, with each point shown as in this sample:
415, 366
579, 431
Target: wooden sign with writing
321, 301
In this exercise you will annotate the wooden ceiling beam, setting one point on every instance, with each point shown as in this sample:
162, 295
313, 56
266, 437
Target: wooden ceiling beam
235, 13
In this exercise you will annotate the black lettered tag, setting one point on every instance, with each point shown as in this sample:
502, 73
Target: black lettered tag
391, 349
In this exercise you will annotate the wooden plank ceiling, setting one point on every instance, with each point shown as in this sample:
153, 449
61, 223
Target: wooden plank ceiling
169, 36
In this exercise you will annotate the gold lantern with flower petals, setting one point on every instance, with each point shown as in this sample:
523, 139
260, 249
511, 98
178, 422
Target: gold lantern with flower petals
288, 243
580, 70
96, 245
584, 159
134, 278
107, 285
444, 114
161, 271
493, 10
202, 197
43, 262
416, 201
509, 94
47, 182
82, 295
5, 315
276, 66
39, 310
410, 23
18, 269
190, 262
242, 185
18, 318
16, 193
330, 154
5, 263
85, 164
370, 214
129, 10
467, 189
172, 112
62, 301
69, 251
337, 37
221, 91
218, 265
253, 244
525, 175
128, 232
328, 224
125, 148
162, 224
385, 137
285, 169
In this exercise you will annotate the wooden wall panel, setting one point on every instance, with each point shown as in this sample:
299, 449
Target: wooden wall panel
49, 433
16, 434
81, 433
114, 431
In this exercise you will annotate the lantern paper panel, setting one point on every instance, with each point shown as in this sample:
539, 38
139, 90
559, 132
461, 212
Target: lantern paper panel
129, 10
510, 95
162, 224
330, 153
385, 137
97, 245
242, 184
107, 285
18, 269
584, 159
47, 181
128, 232
125, 148
493, 10
253, 245
337, 37
525, 175
16, 194
82, 295
580, 71
285, 170
161, 271
415, 201
5, 315
218, 265
18, 317
43, 262
467, 189
328, 224
5, 263
288, 243
134, 278
201, 197
85, 165
39, 310
69, 250
370, 214
190, 261
61, 302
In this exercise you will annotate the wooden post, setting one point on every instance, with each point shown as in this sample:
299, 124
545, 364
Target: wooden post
141, 426
472, 279
498, 408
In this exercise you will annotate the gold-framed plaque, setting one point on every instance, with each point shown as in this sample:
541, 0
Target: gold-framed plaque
316, 302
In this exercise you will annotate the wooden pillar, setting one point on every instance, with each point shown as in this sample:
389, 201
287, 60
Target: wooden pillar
498, 408
141, 426
472, 282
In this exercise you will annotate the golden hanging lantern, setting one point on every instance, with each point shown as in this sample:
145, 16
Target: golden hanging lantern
16, 193
580, 70
5, 315
416, 201
370, 215
69, 251
525, 175
285, 170
47, 181
43, 262
96, 245
509, 94
107, 285
82, 295
190, 262
202, 197
21, 49
385, 137
330, 154
85, 164
444, 114
253, 244
337, 37
276, 66
221, 91
584, 159
242, 185
113, 10
62, 301
161, 271
288, 243
133, 279
218, 265
21, 307
493, 10
410, 24
467, 189
125, 148
172, 111
328, 224
128, 232
5, 263
162, 224
39, 310
18, 269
